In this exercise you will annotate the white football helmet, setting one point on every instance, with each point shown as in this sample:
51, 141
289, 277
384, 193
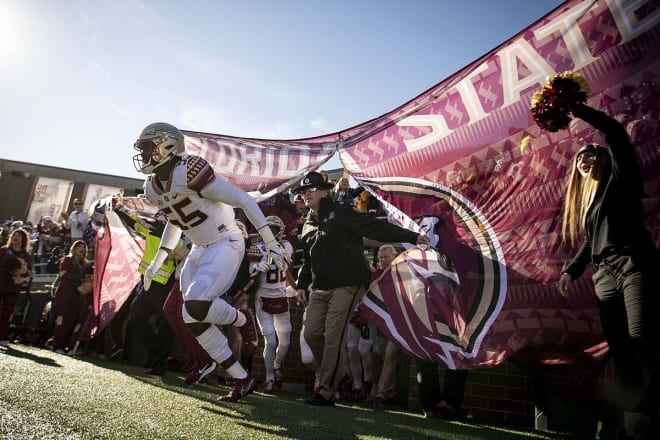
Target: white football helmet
276, 225
158, 143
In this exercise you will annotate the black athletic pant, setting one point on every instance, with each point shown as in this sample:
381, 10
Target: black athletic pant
627, 291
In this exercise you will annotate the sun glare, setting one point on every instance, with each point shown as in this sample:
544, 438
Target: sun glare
12, 34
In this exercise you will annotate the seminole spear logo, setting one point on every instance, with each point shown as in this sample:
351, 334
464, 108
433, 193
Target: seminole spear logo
434, 303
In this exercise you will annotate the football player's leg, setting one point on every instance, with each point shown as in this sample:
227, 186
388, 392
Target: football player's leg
352, 342
307, 357
282, 322
365, 347
265, 321
203, 284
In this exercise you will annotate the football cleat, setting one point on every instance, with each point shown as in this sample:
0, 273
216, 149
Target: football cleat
198, 374
278, 380
268, 387
241, 388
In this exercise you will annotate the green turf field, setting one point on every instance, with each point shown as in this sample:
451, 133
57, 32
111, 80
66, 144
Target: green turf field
44, 395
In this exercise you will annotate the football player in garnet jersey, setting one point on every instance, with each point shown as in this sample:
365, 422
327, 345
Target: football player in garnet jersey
271, 303
199, 202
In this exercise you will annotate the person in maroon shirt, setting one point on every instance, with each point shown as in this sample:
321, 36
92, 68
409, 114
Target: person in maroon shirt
67, 297
15, 269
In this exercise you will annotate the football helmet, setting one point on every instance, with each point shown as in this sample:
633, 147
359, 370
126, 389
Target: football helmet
276, 225
158, 143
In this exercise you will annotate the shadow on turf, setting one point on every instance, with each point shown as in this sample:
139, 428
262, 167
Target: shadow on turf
11, 351
287, 415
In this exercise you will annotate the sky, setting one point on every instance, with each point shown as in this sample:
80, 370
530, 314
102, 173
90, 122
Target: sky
79, 79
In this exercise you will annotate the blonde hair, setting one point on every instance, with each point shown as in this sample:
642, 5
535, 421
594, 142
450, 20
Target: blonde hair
580, 194
75, 245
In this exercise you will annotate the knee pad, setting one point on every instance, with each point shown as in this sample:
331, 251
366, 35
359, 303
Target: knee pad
195, 311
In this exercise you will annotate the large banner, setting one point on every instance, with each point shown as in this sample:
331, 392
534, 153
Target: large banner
261, 167
467, 153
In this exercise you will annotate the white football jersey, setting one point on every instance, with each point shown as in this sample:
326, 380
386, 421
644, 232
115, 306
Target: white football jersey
203, 221
272, 283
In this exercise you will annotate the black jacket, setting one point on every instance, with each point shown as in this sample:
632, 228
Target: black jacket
614, 223
333, 250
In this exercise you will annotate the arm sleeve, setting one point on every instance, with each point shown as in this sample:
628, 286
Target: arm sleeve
220, 190
579, 263
171, 236
618, 141
380, 229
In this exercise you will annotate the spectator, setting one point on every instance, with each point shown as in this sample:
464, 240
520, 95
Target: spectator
85, 305
603, 201
50, 236
15, 270
65, 229
444, 402
17, 224
67, 297
437, 401
342, 193
176, 179
365, 202
334, 265
360, 341
147, 306
6, 230
272, 304
392, 356
78, 220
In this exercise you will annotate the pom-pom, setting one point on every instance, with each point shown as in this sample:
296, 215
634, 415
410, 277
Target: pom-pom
551, 105
86, 284
20, 271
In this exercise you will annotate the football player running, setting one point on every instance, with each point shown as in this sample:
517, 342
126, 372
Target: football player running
271, 303
197, 201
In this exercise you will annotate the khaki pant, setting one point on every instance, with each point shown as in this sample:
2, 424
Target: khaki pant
387, 384
326, 326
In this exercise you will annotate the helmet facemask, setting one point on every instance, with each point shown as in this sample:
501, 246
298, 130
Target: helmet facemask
157, 144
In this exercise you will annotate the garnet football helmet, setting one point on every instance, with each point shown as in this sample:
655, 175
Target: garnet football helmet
158, 143
276, 225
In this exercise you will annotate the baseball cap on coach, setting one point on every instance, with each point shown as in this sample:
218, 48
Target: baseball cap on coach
312, 180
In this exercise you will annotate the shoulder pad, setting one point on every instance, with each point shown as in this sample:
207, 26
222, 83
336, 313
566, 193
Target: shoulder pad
198, 173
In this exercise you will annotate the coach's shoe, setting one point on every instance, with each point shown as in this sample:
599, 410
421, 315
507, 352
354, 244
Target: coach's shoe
248, 333
198, 374
242, 387
317, 399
